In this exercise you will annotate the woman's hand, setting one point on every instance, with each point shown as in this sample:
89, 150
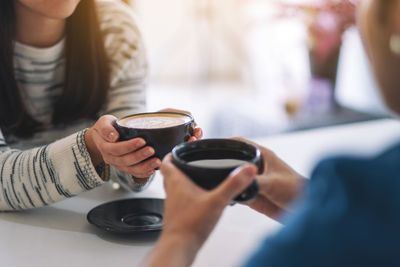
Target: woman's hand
279, 185
191, 213
197, 133
127, 156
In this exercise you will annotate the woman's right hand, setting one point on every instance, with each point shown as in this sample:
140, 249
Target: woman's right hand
279, 185
127, 156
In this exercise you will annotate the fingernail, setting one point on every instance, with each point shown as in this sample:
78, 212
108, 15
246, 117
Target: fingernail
249, 171
140, 143
148, 152
111, 136
155, 164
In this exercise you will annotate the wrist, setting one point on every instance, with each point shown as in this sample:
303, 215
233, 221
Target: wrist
173, 249
191, 240
91, 146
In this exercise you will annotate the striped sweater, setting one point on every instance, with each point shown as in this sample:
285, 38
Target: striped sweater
55, 164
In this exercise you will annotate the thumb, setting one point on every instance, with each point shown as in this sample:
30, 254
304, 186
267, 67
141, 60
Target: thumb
105, 127
236, 182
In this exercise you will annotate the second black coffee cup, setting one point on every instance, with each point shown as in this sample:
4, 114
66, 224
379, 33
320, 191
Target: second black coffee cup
209, 162
161, 130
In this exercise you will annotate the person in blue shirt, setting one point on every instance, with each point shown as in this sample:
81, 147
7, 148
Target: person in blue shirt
348, 213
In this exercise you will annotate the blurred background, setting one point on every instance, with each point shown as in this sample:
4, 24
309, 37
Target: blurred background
258, 67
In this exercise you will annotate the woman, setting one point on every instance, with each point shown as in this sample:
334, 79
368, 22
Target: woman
64, 64
349, 213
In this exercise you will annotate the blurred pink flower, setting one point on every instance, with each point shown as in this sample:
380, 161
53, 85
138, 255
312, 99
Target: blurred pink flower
326, 22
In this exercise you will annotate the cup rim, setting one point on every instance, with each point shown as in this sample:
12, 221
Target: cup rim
149, 113
181, 161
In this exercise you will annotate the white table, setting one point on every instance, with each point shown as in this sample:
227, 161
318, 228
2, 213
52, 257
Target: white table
59, 235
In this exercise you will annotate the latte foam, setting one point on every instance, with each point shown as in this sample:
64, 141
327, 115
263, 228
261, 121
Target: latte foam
154, 121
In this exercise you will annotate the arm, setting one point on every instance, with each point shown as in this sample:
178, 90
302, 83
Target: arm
191, 213
173, 251
46, 174
279, 185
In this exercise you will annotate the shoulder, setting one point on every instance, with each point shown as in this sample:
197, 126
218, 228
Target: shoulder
349, 181
347, 170
117, 19
122, 38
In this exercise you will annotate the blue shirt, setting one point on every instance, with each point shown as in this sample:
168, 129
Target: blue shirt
350, 217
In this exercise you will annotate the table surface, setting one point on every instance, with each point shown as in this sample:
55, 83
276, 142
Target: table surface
59, 235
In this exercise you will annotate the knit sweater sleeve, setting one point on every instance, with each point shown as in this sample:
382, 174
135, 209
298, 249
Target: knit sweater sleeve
44, 175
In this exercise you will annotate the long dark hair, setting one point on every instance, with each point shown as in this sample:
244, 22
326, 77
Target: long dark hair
87, 76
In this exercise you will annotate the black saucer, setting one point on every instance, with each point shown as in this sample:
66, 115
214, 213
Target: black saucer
128, 215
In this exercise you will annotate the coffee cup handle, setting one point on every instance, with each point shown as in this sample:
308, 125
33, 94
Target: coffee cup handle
249, 194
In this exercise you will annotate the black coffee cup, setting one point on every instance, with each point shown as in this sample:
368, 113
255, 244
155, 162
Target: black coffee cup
161, 130
208, 162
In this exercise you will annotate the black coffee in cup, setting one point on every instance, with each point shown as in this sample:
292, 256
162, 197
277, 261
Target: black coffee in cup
209, 162
217, 163
161, 130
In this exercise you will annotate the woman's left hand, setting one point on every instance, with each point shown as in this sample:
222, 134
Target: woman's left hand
191, 213
197, 133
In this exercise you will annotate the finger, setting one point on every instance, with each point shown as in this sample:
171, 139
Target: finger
263, 205
147, 165
143, 169
144, 175
192, 138
279, 189
168, 169
123, 147
140, 180
131, 158
267, 154
166, 164
238, 138
173, 176
105, 128
265, 151
140, 175
198, 133
237, 181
